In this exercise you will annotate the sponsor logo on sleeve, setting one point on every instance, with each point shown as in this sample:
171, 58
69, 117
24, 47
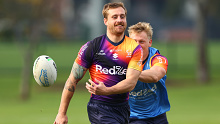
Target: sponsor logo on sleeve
82, 50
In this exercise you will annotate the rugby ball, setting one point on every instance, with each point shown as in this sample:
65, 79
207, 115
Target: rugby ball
45, 71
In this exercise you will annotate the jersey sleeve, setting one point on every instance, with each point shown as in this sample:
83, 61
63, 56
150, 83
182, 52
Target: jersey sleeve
84, 57
159, 60
137, 58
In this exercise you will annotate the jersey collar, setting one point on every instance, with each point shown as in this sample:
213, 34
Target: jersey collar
113, 43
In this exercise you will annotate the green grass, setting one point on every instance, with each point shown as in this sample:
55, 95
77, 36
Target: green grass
191, 103
43, 107
195, 104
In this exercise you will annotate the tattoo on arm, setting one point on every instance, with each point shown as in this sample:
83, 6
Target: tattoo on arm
77, 72
70, 86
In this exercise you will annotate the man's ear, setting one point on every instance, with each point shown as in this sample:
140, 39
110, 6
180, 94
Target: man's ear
150, 43
105, 21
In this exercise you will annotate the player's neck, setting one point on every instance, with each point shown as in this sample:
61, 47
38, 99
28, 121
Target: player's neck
145, 56
146, 53
115, 38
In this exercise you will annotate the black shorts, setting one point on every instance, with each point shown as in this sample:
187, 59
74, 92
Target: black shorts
105, 113
160, 119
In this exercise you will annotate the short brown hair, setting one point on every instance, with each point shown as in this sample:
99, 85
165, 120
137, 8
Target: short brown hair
110, 6
141, 26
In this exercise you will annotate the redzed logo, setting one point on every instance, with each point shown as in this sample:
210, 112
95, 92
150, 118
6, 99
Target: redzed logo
115, 70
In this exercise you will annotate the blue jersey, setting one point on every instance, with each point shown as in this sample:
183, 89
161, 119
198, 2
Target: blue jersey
149, 100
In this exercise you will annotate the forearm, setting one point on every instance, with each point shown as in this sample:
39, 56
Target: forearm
122, 87
127, 84
76, 75
152, 75
65, 100
67, 94
147, 76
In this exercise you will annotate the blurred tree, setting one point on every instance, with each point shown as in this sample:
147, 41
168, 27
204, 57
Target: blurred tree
38, 14
31, 19
173, 8
201, 40
205, 9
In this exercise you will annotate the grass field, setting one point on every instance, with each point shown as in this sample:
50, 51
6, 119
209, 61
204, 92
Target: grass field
191, 103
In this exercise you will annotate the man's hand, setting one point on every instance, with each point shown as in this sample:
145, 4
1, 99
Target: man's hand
97, 89
61, 119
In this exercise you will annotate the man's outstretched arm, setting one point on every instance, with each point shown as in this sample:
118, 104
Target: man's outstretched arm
75, 76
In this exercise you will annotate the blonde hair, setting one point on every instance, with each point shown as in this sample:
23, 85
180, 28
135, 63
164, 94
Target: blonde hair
112, 6
141, 26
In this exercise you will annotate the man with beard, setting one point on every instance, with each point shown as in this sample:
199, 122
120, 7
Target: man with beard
114, 63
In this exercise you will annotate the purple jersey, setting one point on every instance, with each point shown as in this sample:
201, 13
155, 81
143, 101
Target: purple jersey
108, 62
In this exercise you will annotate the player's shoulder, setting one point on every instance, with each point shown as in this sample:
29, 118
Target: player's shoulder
94, 42
157, 57
97, 39
158, 54
130, 39
131, 42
